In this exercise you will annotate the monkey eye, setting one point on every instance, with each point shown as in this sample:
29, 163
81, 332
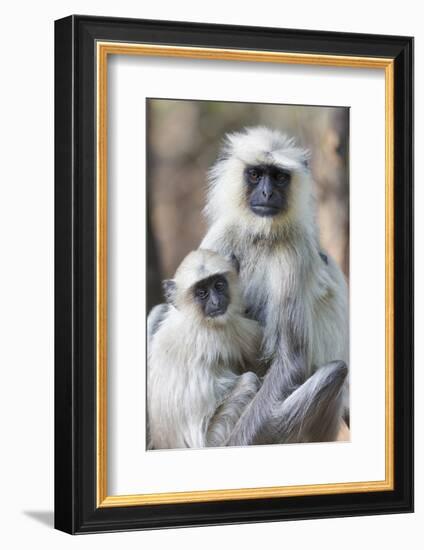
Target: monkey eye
283, 177
254, 175
201, 293
220, 285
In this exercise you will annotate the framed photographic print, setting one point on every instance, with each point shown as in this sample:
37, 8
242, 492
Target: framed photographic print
234, 274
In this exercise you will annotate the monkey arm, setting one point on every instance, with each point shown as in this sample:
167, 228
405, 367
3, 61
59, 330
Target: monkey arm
228, 413
253, 427
286, 342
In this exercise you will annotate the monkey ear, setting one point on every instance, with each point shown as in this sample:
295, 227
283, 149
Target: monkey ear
169, 289
236, 264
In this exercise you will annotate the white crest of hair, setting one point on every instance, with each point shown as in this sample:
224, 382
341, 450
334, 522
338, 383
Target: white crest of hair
195, 362
287, 286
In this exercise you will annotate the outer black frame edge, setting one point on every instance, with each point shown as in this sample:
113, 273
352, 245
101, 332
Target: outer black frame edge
75, 273
64, 481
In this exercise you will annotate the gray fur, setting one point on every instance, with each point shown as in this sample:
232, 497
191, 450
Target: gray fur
299, 299
310, 413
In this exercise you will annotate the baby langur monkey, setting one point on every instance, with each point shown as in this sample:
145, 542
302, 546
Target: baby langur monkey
202, 356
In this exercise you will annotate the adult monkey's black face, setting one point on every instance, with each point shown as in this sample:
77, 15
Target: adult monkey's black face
212, 294
267, 189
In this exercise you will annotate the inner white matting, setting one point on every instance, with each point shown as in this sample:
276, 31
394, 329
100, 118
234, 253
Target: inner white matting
130, 468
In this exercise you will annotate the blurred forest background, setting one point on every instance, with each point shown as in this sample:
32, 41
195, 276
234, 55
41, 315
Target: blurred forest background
183, 140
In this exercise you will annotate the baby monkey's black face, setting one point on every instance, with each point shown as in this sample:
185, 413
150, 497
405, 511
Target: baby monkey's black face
267, 189
212, 294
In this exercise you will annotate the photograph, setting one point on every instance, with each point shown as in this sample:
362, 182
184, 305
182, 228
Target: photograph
247, 286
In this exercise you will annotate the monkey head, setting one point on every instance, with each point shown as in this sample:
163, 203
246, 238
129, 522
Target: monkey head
205, 286
261, 179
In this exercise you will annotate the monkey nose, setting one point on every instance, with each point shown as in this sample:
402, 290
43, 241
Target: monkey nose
267, 189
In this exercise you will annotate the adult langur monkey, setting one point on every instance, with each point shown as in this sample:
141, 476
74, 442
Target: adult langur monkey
201, 356
260, 208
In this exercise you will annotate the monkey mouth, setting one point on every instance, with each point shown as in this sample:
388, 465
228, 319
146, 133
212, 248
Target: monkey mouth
265, 210
216, 313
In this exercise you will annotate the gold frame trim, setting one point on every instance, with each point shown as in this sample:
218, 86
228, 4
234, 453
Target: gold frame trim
104, 49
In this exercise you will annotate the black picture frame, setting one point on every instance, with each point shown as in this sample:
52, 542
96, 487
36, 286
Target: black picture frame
76, 509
